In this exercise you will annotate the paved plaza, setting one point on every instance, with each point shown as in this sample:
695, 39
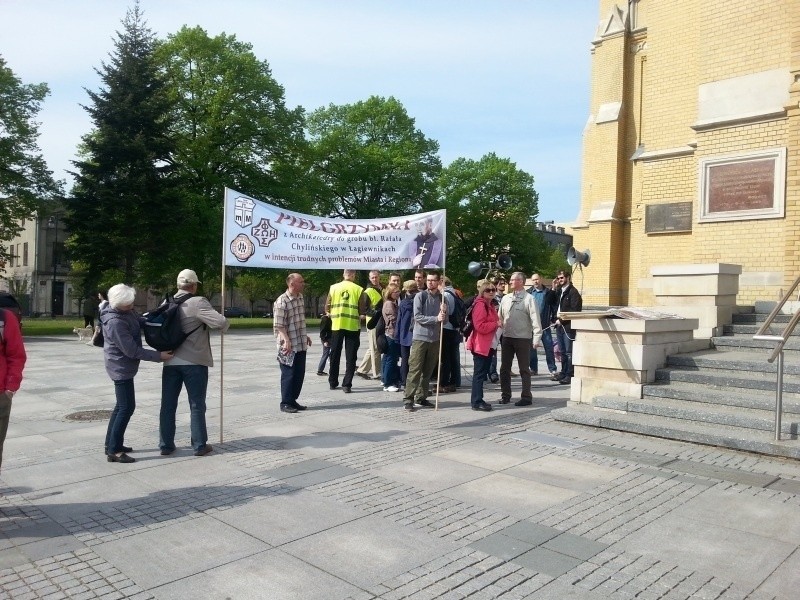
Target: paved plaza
358, 499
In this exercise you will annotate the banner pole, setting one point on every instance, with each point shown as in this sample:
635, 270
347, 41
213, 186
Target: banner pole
222, 333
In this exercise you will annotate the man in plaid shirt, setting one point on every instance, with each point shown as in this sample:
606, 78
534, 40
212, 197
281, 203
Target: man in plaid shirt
290, 334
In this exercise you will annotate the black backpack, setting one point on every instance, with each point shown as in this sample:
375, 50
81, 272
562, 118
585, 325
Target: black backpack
468, 327
459, 316
162, 326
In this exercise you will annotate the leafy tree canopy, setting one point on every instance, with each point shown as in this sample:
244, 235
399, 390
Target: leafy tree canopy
369, 160
25, 181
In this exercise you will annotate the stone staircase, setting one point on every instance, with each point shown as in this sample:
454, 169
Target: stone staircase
723, 397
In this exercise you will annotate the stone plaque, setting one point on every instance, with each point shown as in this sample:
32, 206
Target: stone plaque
746, 185
668, 218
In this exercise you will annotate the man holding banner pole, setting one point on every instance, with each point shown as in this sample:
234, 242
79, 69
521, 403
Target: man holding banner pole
346, 303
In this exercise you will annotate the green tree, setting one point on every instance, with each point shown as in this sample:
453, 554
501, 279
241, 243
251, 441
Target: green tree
491, 209
231, 128
25, 181
368, 160
122, 211
253, 287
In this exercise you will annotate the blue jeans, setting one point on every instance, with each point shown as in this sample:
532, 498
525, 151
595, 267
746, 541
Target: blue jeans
549, 355
292, 379
326, 352
481, 366
121, 415
173, 378
565, 343
389, 369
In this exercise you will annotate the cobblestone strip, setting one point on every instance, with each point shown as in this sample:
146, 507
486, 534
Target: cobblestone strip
464, 573
16, 512
615, 574
620, 507
428, 511
79, 575
168, 507
385, 453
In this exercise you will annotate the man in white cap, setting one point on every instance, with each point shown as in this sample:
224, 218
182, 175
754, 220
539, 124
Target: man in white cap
189, 367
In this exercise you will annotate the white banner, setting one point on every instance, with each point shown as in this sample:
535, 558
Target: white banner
261, 235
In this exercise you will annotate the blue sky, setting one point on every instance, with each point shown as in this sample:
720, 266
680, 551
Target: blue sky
503, 76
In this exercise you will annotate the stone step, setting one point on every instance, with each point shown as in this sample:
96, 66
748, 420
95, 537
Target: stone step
754, 399
697, 412
758, 318
725, 380
745, 330
751, 362
737, 342
749, 440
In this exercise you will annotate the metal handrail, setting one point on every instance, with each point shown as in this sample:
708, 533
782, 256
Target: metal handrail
777, 352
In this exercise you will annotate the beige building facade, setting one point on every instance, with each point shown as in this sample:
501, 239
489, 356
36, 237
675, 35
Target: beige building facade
692, 147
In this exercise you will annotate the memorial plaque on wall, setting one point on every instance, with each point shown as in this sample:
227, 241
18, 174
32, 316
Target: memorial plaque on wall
747, 185
668, 218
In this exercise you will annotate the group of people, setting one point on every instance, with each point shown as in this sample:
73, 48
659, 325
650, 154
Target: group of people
407, 321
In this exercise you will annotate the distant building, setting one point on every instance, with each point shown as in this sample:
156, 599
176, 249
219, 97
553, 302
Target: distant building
555, 235
37, 272
692, 146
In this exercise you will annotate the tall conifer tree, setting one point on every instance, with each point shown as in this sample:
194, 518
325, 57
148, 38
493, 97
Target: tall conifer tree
123, 208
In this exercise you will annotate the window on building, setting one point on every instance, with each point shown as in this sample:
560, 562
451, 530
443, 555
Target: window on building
11, 255
25, 254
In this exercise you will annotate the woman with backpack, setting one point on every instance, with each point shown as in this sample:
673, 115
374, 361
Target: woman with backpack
482, 342
121, 354
391, 354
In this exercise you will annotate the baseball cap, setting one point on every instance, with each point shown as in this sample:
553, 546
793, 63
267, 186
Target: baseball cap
187, 276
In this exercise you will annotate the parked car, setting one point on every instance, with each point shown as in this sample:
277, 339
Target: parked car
234, 312
267, 315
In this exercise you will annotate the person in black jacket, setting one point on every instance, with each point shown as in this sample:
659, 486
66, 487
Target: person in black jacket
547, 303
569, 301
325, 335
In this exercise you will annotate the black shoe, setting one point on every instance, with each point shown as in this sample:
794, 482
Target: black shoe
494, 378
167, 451
523, 402
288, 408
123, 449
299, 406
204, 450
122, 458
347, 389
321, 373
363, 375
426, 403
504, 400
335, 387
482, 406
409, 407
565, 381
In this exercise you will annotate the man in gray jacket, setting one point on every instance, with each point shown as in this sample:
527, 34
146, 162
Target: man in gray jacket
189, 367
429, 312
522, 330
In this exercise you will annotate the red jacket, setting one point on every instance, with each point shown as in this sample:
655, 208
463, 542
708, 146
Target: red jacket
12, 354
484, 323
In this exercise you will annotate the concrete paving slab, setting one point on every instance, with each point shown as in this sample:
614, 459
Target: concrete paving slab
171, 553
743, 558
488, 455
514, 495
546, 561
62, 472
646, 458
332, 473
369, 550
281, 519
575, 546
531, 532
791, 486
547, 439
721, 472
563, 472
784, 582
183, 469
432, 474
502, 546
270, 574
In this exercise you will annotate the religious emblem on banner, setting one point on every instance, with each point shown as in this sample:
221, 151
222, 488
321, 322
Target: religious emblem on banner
242, 247
243, 211
265, 233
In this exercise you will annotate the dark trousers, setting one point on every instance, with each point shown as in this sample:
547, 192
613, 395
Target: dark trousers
292, 379
5, 414
350, 340
390, 372
173, 378
481, 365
549, 355
450, 362
121, 415
565, 337
405, 352
521, 348
326, 352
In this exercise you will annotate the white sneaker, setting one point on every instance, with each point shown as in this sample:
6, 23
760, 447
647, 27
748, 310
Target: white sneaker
391, 388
